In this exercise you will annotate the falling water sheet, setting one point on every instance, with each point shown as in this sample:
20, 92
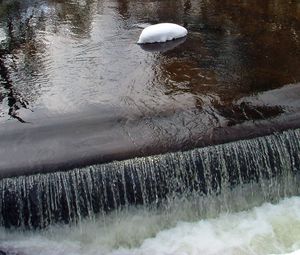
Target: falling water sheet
76, 90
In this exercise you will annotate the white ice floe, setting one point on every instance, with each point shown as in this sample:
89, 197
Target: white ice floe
161, 33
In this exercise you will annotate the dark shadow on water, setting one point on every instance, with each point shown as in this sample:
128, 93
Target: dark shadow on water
163, 47
14, 103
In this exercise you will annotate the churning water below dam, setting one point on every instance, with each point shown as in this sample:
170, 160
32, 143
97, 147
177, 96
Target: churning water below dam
235, 198
266, 229
190, 147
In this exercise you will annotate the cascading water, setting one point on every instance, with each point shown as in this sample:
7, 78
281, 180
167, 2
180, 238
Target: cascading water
265, 165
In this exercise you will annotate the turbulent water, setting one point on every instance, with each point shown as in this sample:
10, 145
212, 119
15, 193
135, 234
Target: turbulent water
76, 90
181, 203
267, 229
36, 201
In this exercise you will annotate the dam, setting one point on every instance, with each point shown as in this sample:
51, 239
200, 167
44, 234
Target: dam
35, 201
185, 147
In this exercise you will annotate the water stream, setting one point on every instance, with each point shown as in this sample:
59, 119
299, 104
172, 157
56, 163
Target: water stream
91, 122
268, 163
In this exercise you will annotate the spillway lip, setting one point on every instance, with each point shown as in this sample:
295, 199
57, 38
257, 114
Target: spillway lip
25, 159
162, 32
37, 201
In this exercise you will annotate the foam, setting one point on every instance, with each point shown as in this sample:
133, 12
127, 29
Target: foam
267, 229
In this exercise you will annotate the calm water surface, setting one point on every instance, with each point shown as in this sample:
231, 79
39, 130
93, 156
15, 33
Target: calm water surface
78, 60
61, 57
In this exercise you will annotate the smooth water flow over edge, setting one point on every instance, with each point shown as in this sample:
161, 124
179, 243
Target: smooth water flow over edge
43, 199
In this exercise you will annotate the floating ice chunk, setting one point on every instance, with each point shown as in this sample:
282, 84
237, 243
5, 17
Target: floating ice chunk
161, 33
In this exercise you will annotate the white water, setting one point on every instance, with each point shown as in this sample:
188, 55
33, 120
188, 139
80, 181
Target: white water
267, 229
230, 218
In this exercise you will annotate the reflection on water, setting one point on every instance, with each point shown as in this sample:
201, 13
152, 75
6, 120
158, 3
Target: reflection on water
59, 57
73, 60
163, 47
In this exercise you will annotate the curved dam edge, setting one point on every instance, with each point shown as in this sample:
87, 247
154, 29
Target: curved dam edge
62, 146
36, 201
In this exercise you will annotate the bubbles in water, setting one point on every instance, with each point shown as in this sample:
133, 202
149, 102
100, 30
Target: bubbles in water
153, 205
268, 229
266, 165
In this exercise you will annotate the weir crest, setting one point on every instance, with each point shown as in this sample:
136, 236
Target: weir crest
36, 201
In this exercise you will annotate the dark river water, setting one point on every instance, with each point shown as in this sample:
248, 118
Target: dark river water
74, 83
76, 89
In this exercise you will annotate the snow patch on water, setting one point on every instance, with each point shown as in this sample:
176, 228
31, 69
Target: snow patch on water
2, 35
161, 33
268, 229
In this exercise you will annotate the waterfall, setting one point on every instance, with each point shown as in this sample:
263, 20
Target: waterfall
35, 201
